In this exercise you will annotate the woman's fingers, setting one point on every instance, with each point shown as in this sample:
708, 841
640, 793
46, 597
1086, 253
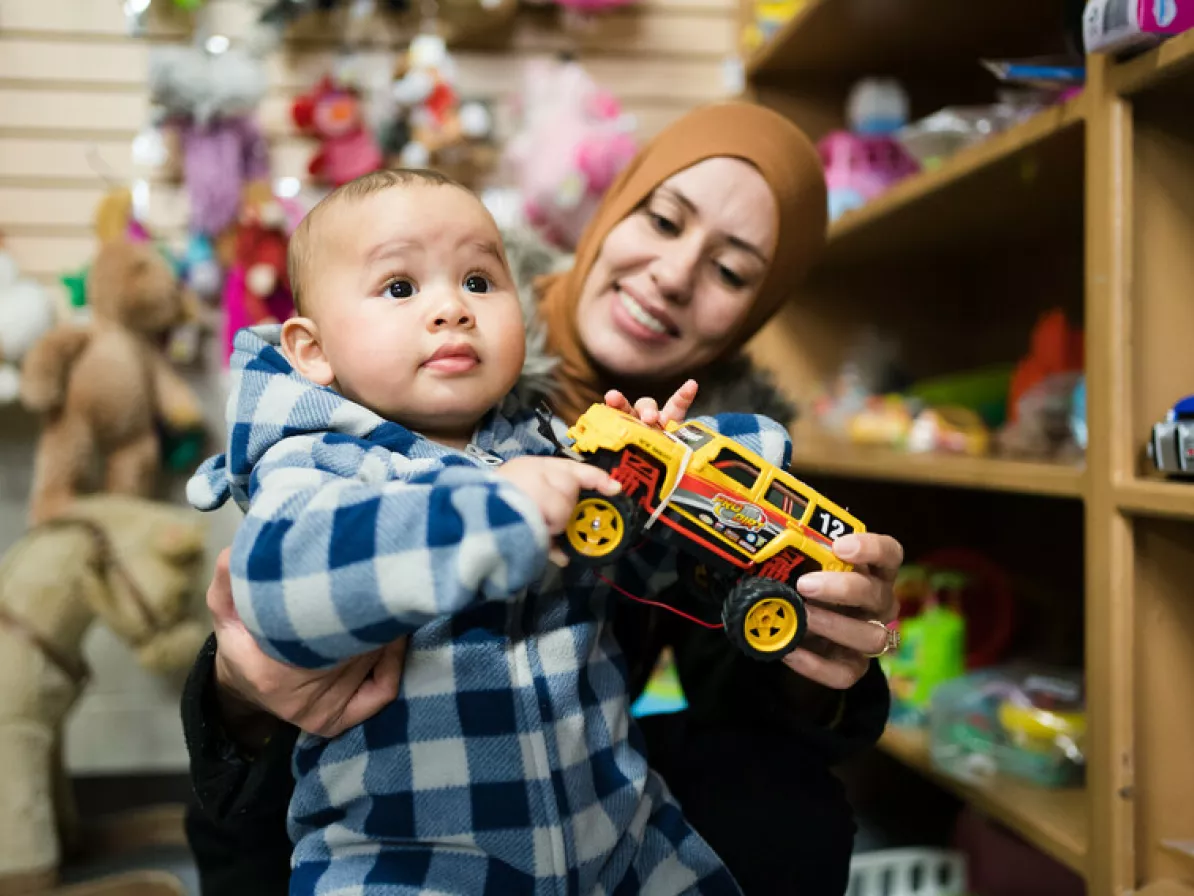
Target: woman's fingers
676, 408
833, 671
379, 689
860, 591
857, 635
882, 553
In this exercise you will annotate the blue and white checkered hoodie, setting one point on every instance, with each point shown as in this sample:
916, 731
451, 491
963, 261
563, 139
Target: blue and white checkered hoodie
509, 763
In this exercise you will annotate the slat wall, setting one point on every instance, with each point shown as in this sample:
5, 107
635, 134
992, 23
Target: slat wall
72, 80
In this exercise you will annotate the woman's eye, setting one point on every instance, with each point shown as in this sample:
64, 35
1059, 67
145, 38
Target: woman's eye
399, 289
664, 225
477, 283
730, 277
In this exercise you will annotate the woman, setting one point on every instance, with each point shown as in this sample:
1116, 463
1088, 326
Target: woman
696, 245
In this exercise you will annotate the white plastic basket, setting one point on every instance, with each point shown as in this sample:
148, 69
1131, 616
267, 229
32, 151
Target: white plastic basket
908, 872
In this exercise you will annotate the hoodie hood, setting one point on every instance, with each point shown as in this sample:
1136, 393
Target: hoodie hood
268, 401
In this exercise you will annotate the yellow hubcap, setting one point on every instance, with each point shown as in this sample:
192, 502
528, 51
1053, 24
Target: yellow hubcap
771, 624
596, 528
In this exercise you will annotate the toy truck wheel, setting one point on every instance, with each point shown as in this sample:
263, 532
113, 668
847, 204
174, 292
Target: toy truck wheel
765, 619
601, 530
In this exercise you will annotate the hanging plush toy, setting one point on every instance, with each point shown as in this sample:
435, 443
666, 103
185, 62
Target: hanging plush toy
257, 289
572, 143
433, 128
210, 100
332, 114
26, 312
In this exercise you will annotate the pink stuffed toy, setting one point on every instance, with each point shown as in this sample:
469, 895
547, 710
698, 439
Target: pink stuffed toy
347, 148
574, 140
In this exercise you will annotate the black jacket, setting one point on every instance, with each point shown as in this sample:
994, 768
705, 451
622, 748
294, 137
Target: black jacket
723, 758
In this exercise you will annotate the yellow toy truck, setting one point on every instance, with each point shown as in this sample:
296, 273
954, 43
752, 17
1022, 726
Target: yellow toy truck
745, 530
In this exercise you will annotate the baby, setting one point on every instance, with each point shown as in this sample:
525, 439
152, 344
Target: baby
393, 486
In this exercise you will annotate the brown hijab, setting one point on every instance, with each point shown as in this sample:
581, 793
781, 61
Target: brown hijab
788, 162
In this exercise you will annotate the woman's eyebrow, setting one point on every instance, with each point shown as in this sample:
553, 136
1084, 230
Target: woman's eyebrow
735, 241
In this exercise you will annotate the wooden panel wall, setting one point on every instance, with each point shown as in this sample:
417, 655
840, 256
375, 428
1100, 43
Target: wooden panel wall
73, 81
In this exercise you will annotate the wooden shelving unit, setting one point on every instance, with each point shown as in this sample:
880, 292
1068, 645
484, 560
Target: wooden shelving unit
986, 474
1087, 206
1054, 821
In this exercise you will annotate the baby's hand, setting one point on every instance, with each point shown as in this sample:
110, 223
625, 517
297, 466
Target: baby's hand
555, 484
648, 411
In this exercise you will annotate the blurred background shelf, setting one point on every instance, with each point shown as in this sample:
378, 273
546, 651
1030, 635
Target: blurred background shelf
1156, 497
854, 37
1166, 68
1022, 179
1055, 821
983, 473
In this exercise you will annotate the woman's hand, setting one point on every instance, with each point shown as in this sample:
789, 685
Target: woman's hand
647, 409
840, 603
253, 687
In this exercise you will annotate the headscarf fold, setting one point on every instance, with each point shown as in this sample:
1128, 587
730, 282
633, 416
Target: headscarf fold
782, 154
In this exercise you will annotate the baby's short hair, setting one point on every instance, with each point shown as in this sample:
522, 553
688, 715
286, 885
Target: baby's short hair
299, 251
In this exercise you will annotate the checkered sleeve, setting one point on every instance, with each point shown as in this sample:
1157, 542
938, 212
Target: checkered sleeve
347, 546
762, 435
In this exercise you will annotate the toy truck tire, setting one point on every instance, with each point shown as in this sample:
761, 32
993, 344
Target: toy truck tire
765, 619
601, 530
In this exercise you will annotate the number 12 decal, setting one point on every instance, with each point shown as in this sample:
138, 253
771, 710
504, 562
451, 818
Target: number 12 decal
829, 525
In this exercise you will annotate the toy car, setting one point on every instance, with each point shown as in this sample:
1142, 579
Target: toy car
744, 529
1171, 447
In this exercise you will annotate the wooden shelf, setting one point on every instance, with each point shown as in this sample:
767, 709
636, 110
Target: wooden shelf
857, 37
1055, 821
988, 474
1011, 183
1156, 497
1169, 66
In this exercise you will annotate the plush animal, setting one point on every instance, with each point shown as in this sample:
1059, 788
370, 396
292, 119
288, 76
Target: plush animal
209, 101
332, 114
435, 122
103, 389
26, 313
573, 141
257, 289
134, 564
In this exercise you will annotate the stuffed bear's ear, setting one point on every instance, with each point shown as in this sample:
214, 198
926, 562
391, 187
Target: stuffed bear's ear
180, 542
113, 214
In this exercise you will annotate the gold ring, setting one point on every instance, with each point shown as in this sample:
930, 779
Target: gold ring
892, 642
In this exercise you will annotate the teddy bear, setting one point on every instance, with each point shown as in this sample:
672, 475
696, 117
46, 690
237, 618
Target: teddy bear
137, 566
26, 312
103, 389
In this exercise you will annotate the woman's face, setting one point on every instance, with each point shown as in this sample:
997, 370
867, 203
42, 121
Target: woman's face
675, 276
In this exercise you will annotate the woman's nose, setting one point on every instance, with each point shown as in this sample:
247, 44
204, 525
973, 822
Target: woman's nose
674, 270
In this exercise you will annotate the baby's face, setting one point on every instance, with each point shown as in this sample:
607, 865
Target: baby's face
415, 308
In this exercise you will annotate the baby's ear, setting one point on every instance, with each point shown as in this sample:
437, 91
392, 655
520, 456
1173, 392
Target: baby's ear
304, 351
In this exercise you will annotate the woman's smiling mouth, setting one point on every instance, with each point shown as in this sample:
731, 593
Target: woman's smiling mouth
638, 321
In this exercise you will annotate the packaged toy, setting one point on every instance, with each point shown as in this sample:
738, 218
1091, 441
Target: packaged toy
745, 529
1021, 721
858, 168
1113, 26
1171, 445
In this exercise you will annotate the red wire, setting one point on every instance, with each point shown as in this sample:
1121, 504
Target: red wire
655, 603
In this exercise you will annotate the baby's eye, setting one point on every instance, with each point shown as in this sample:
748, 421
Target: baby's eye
399, 289
477, 283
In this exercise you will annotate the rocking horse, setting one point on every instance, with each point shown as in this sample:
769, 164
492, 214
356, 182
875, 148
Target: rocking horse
130, 562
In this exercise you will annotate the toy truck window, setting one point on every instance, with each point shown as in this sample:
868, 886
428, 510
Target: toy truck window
733, 465
693, 436
786, 500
